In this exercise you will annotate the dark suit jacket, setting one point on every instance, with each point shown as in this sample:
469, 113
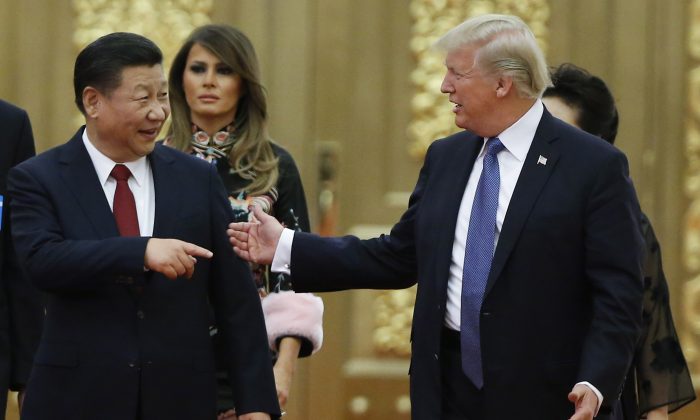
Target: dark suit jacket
117, 337
563, 299
21, 311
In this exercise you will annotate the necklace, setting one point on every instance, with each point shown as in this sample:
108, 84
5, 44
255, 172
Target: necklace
214, 147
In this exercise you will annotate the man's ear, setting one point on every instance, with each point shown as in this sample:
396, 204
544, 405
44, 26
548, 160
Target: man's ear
91, 101
504, 86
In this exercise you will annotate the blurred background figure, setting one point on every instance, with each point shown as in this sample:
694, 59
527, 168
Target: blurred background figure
219, 113
659, 381
21, 311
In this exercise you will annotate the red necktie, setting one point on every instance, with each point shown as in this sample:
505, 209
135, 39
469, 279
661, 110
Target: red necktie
124, 206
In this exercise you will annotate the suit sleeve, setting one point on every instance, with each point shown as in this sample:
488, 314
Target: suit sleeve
387, 262
239, 316
56, 263
23, 301
614, 251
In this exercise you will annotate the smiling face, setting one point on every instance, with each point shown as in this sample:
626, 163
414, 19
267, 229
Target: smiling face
212, 89
124, 123
471, 90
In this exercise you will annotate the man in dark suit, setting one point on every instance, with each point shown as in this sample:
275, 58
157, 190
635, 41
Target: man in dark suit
112, 229
21, 311
522, 234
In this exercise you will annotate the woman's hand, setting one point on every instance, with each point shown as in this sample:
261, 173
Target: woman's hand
285, 367
660, 413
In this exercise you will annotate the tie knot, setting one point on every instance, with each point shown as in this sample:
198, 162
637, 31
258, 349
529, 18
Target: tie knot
120, 172
493, 146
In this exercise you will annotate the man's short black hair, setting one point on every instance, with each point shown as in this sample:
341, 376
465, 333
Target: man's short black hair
100, 64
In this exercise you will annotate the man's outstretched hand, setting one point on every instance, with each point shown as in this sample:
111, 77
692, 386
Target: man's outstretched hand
256, 241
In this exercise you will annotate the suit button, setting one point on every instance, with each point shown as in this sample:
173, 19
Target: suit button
132, 365
486, 314
435, 355
140, 314
125, 279
439, 306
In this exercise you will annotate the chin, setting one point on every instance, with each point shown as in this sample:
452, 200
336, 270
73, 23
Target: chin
146, 149
462, 125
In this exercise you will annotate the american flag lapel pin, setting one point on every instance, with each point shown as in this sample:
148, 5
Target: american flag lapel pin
542, 160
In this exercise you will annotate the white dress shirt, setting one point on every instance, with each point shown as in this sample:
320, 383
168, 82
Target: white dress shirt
517, 140
140, 183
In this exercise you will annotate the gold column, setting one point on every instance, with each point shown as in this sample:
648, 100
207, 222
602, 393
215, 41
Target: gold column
431, 120
691, 246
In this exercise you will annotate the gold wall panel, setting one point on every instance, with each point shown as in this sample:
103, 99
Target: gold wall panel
432, 119
166, 22
691, 245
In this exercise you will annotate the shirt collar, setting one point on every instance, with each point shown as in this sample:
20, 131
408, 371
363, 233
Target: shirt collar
518, 137
104, 165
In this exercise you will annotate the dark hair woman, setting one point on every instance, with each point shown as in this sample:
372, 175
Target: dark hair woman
219, 113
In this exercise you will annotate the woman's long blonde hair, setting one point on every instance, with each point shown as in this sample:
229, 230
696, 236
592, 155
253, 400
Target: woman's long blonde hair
251, 156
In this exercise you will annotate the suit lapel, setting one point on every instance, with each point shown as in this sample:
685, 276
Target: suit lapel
165, 181
533, 178
78, 173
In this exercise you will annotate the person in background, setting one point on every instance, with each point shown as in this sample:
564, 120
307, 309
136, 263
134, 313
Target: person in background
659, 381
128, 240
219, 113
21, 309
522, 234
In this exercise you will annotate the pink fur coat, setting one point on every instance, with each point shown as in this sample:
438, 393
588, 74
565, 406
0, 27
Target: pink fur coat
293, 314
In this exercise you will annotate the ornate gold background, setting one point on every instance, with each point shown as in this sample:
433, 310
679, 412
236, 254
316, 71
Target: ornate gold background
166, 22
691, 246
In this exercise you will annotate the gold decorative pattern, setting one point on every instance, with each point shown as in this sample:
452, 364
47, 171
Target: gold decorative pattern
393, 314
691, 243
166, 22
432, 119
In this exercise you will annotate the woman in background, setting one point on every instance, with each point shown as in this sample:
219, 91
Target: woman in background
659, 381
219, 113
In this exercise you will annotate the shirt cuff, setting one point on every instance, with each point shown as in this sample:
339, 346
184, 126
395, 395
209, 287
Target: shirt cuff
283, 253
597, 393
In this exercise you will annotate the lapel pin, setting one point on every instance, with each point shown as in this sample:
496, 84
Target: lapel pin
542, 160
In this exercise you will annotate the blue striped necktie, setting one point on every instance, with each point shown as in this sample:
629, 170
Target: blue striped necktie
477, 260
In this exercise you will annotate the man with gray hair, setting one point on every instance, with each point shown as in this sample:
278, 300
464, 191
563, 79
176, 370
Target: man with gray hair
522, 234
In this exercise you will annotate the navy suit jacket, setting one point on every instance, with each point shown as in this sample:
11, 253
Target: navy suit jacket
118, 339
21, 309
563, 298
